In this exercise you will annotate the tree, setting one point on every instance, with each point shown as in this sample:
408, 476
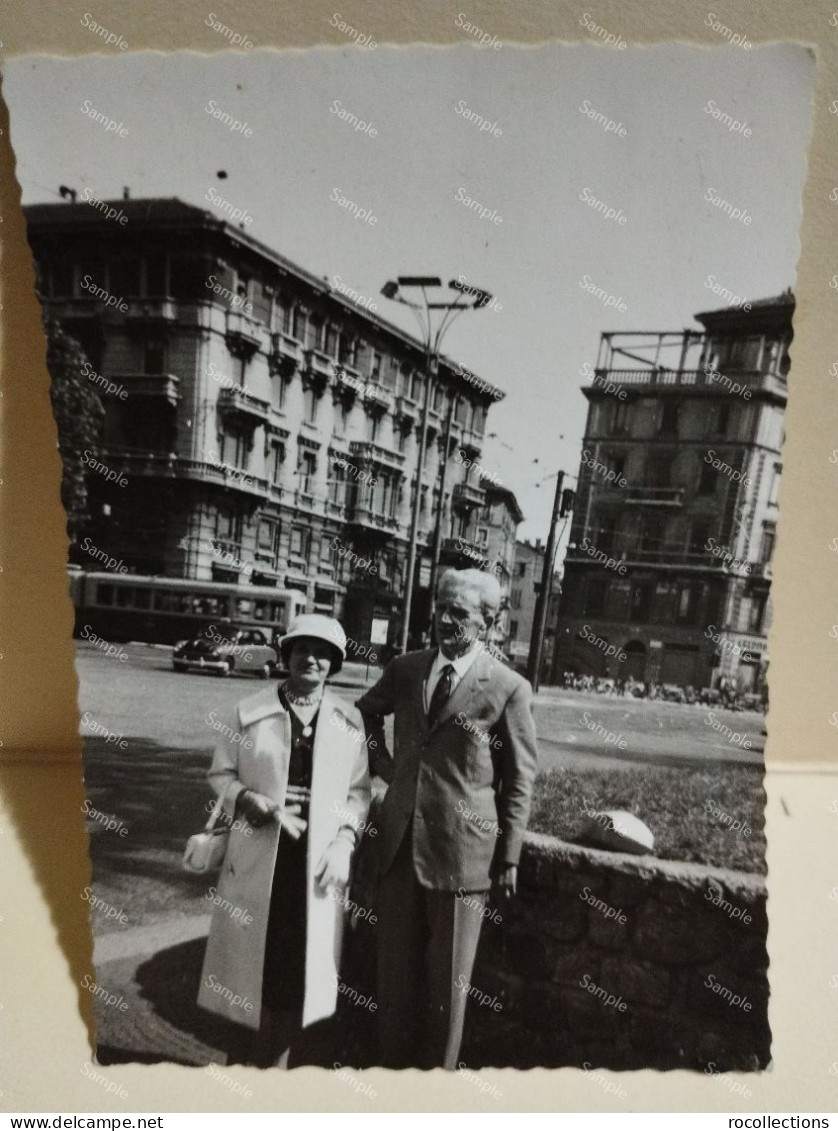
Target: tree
78, 415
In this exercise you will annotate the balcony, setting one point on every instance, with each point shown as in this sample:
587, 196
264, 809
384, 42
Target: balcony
319, 363
347, 380
466, 497
364, 515
286, 355
367, 452
378, 398
164, 385
162, 465
652, 496
243, 334
235, 401
471, 440
406, 409
151, 310
695, 379
462, 551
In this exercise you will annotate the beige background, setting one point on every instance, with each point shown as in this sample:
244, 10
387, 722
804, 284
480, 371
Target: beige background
45, 1020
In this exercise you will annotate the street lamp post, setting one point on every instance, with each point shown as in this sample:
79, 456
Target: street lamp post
432, 340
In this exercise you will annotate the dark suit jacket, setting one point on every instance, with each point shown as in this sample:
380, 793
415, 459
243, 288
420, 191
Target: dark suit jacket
466, 782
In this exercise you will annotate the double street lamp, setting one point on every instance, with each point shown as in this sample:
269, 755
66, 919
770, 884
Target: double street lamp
432, 327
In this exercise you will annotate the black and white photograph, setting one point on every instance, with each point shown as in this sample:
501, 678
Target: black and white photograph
421, 413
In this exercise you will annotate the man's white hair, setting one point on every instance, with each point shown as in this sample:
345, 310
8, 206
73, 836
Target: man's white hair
485, 584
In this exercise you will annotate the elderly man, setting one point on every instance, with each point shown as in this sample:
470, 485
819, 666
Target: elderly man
453, 819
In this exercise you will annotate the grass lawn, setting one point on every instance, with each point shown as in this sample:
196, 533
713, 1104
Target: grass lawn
673, 802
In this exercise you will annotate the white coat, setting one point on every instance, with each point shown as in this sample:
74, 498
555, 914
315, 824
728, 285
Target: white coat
253, 753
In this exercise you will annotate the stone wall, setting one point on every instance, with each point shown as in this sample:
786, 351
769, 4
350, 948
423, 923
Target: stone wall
654, 955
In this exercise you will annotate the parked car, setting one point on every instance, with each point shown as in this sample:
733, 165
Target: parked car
227, 651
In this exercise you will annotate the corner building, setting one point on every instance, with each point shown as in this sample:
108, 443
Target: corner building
669, 561
270, 432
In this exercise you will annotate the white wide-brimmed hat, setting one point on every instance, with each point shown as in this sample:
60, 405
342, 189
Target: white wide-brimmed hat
318, 627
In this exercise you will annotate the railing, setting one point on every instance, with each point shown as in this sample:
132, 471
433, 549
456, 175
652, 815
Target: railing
362, 514
471, 439
287, 348
654, 496
239, 325
465, 495
407, 408
697, 378
464, 548
153, 309
369, 452
169, 466
235, 399
319, 362
149, 385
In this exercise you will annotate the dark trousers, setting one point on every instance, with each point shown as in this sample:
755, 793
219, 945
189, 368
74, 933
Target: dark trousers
427, 941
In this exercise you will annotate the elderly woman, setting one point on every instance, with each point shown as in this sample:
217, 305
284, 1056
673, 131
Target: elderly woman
291, 771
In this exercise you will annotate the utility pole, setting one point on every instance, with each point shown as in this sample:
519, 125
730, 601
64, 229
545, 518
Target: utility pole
543, 603
437, 548
430, 368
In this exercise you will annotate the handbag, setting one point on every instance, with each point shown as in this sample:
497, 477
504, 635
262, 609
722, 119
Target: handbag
204, 851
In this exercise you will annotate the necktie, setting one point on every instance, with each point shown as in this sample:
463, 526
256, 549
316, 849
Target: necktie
441, 693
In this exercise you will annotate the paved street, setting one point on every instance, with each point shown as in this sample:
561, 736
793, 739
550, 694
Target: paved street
156, 787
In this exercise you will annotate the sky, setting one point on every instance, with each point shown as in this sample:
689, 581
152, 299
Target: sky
532, 170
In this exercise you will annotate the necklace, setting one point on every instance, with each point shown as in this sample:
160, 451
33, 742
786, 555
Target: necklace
302, 700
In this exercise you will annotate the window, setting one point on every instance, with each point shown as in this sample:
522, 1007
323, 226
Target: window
708, 479
774, 492
766, 549
310, 402
439, 394
515, 599
669, 418
124, 278
699, 535
234, 448
332, 341
482, 536
277, 462
154, 356
326, 550
298, 324
756, 613
461, 411
348, 350
417, 391
513, 628
653, 532
373, 426
266, 534
286, 316
641, 600
62, 279
478, 418
688, 596
300, 542
616, 464
155, 276
619, 418
228, 525
606, 533
721, 418
375, 366
337, 488
659, 469
521, 569
595, 596
307, 470
401, 439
